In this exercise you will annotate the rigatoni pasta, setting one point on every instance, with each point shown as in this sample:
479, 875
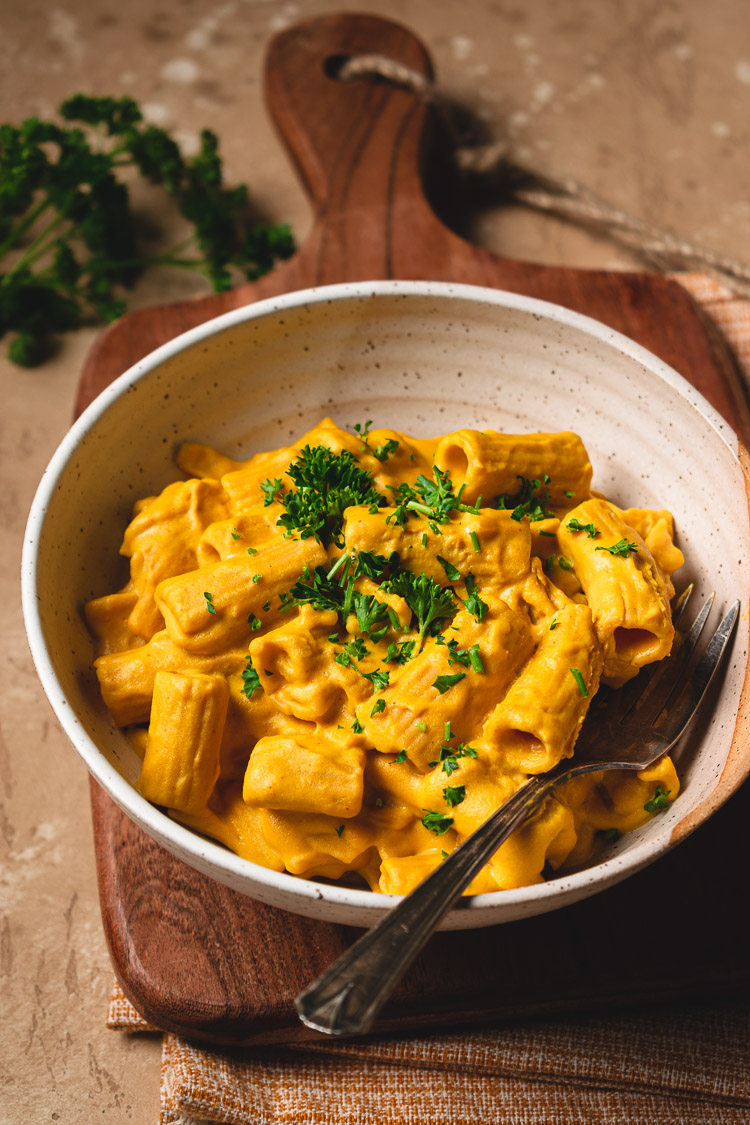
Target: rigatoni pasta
340, 657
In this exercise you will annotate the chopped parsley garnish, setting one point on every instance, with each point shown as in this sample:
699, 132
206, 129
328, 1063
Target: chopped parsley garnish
257, 577
371, 564
386, 450
250, 679
326, 484
323, 592
363, 431
428, 601
379, 678
400, 653
449, 757
251, 551
531, 500
379, 706
566, 564
583, 691
553, 624
454, 794
422, 727
400, 757
269, 488
622, 548
369, 612
576, 525
235, 533
474, 603
254, 621
469, 657
611, 835
209, 601
339, 830
444, 683
434, 499
357, 726
451, 572
659, 800
436, 822
356, 648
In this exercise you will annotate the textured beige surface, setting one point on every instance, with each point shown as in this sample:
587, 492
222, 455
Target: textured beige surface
646, 102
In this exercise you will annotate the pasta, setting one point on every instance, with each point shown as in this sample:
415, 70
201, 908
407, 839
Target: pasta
340, 657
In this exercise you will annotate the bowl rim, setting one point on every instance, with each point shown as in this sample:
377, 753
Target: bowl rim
188, 844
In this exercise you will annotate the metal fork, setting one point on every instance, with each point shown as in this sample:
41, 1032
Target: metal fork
634, 728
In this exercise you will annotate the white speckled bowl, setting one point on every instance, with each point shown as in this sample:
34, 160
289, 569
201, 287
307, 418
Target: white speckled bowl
426, 359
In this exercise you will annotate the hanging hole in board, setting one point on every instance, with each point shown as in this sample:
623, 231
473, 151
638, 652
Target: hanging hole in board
333, 64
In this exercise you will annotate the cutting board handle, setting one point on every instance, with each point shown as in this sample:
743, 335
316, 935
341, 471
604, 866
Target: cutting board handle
342, 135
361, 149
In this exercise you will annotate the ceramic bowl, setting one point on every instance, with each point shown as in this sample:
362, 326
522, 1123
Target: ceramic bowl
423, 358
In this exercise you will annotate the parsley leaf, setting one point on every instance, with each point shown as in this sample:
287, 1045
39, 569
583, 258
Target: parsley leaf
474, 603
531, 500
428, 601
659, 800
444, 683
379, 678
386, 450
451, 572
436, 822
622, 548
576, 525
250, 679
454, 794
400, 654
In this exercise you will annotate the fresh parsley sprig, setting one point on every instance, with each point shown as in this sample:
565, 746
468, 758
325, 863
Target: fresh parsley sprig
68, 233
428, 600
326, 484
434, 499
531, 499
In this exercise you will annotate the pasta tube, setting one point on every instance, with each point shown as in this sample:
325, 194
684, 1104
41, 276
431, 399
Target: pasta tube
314, 777
627, 593
489, 464
539, 719
434, 687
207, 610
181, 764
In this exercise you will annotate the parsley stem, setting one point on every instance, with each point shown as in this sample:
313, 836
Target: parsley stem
415, 506
339, 563
41, 245
20, 229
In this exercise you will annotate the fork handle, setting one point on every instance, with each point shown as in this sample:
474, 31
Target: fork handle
347, 997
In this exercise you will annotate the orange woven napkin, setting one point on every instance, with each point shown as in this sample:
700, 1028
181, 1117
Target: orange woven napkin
679, 1065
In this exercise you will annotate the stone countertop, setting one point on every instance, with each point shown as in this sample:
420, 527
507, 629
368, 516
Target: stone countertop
647, 104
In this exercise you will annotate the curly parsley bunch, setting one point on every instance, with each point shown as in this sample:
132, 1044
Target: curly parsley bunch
67, 231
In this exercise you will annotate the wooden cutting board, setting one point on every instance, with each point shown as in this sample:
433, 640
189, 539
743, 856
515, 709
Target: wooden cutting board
201, 960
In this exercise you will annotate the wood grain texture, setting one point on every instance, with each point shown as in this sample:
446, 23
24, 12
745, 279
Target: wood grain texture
205, 962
